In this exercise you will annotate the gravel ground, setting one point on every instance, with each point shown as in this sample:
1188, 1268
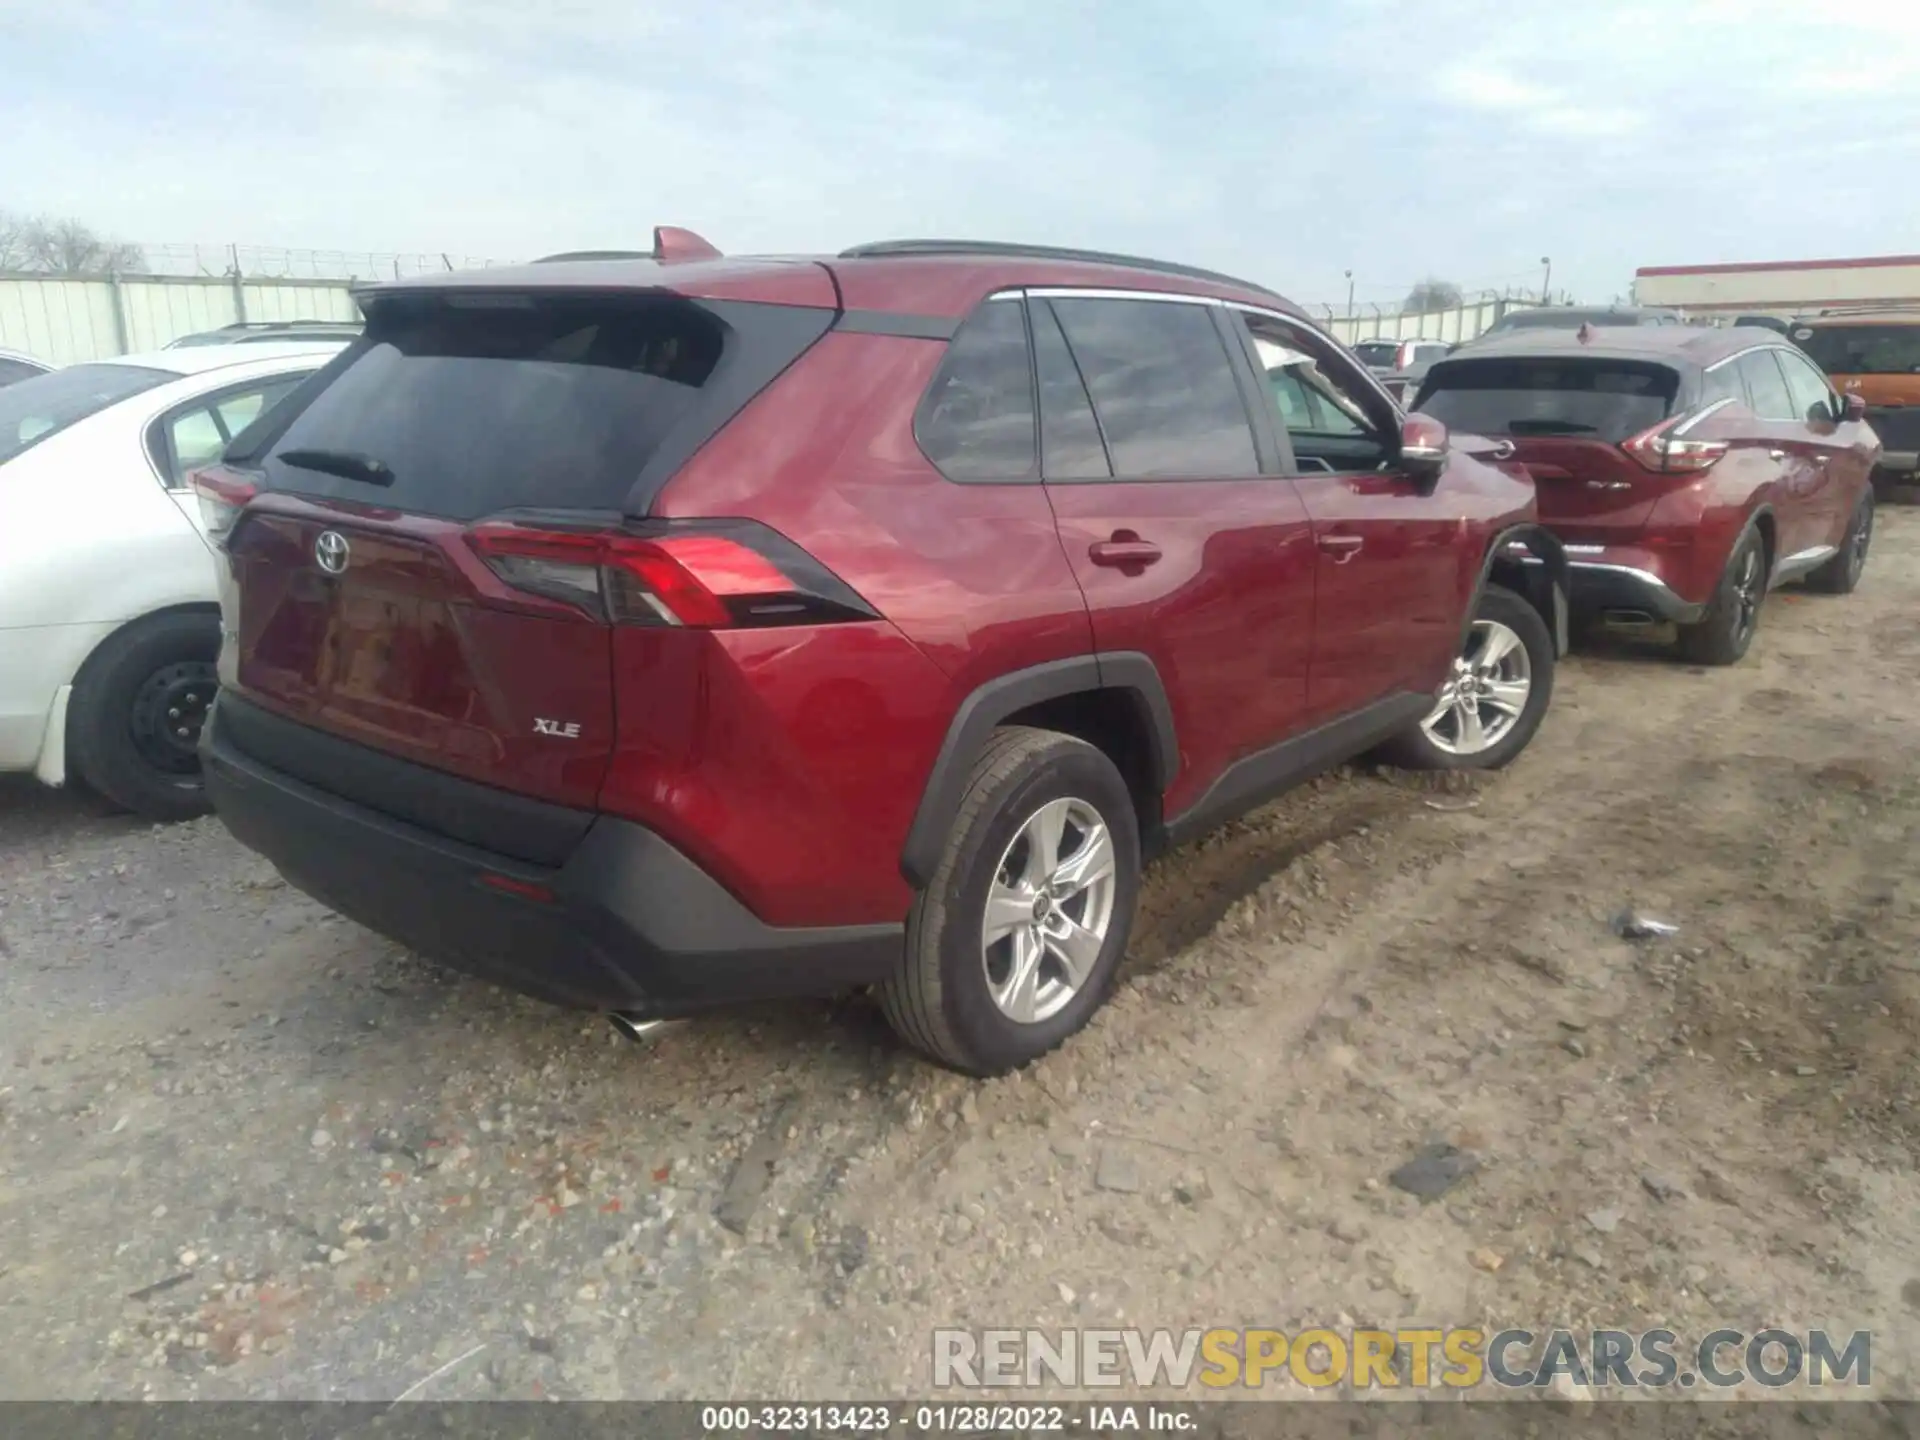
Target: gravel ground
248, 1149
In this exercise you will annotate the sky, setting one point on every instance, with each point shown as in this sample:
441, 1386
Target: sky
1288, 141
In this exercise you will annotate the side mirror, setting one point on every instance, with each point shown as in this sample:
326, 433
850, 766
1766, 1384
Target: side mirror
1852, 407
1423, 447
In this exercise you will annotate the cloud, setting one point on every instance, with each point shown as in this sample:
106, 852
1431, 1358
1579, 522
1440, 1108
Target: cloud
1545, 109
1287, 143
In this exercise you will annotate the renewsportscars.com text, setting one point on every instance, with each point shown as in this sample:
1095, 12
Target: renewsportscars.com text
1367, 1359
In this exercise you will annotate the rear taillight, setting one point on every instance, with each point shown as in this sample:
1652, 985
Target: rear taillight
705, 575
223, 494
1661, 449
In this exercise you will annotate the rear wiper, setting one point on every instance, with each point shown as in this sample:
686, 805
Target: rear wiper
339, 462
1549, 427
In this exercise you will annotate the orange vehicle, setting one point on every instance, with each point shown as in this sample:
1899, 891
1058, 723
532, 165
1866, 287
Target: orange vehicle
1875, 354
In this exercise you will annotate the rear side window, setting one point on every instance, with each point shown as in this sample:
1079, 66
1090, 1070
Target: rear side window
197, 434
470, 403
45, 405
1163, 387
1070, 443
1602, 399
976, 422
1766, 385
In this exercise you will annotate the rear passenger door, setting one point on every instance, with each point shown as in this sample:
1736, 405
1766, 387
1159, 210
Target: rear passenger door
1189, 546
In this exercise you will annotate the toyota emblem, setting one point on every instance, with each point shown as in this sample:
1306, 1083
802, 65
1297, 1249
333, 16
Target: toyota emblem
330, 552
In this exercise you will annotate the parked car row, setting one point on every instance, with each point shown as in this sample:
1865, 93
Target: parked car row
654, 633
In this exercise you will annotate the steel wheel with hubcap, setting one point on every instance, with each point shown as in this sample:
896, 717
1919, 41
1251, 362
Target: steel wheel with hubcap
1047, 911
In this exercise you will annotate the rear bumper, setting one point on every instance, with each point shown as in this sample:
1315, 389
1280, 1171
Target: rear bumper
1605, 587
626, 922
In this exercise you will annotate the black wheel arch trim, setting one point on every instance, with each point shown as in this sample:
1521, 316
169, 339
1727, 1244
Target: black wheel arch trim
1547, 585
989, 706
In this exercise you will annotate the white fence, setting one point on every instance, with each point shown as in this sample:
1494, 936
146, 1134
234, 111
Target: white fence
66, 319
1456, 323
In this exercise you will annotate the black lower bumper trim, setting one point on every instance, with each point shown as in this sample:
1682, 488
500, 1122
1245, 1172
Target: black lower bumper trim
1599, 588
633, 924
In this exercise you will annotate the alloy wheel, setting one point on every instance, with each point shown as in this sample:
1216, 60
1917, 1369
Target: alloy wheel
1486, 693
1048, 911
1746, 594
1861, 538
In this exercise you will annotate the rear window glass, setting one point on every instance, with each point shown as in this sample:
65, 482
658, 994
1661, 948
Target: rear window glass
44, 405
1862, 349
1604, 400
1377, 352
472, 404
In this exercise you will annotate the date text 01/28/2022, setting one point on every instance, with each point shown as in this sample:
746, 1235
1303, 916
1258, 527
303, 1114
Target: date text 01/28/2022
961, 1418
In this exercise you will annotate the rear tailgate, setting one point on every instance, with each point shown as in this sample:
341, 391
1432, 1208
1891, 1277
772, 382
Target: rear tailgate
361, 600
1566, 417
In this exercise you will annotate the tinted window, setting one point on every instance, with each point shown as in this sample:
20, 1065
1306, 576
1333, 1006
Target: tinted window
977, 421
1607, 400
1162, 386
1811, 399
1070, 445
1766, 385
1723, 383
1862, 349
1377, 352
12, 370
46, 404
479, 402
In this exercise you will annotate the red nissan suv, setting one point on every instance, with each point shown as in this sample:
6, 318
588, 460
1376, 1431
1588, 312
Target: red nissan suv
1686, 470
649, 634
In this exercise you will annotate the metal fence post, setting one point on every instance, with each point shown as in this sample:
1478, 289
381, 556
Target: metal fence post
239, 290
119, 312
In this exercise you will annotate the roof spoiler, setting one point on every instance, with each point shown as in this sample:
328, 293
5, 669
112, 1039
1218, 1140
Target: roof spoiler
671, 246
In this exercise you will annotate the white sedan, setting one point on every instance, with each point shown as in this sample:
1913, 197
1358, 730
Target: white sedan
109, 602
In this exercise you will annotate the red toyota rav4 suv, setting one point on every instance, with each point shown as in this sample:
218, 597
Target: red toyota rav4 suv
652, 634
1686, 470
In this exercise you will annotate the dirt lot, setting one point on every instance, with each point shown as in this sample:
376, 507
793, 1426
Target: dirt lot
249, 1149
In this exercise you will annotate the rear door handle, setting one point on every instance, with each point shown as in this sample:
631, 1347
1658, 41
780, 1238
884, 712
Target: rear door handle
1123, 552
1341, 548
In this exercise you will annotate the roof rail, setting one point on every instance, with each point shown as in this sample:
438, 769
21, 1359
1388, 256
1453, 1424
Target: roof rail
1005, 250
594, 255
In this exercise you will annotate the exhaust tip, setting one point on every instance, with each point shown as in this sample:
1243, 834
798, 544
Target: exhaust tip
1636, 619
633, 1027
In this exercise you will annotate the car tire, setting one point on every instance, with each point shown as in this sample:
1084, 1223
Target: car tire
959, 997
1723, 635
1493, 700
1842, 573
134, 718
